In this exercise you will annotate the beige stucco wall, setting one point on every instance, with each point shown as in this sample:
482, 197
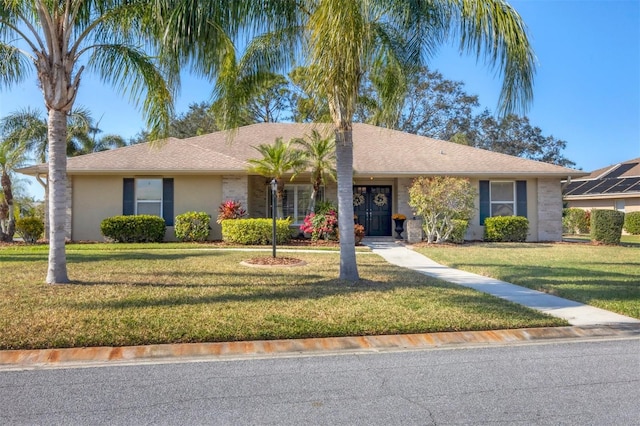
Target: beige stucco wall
94, 198
199, 194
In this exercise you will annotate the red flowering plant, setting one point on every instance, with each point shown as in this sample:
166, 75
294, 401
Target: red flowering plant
321, 225
230, 210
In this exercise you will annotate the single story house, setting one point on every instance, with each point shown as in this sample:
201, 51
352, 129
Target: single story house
199, 173
613, 187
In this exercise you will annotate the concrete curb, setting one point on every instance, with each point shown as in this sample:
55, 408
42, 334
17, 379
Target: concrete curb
89, 356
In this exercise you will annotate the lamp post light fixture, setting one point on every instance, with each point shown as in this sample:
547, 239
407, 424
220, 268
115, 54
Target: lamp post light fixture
274, 205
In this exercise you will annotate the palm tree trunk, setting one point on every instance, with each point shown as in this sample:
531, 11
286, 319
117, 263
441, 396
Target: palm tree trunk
57, 271
279, 198
312, 201
9, 232
344, 163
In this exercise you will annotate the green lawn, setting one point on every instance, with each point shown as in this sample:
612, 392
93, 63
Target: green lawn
625, 240
604, 276
163, 293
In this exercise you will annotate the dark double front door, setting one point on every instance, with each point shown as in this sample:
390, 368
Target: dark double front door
372, 206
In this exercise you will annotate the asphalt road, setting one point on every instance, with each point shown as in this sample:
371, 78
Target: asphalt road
573, 383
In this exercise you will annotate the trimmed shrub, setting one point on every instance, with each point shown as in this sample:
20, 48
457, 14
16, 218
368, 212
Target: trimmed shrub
506, 229
30, 228
576, 221
459, 230
632, 223
134, 229
192, 226
606, 226
255, 231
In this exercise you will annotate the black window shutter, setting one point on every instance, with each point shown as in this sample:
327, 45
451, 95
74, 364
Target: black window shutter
128, 194
167, 201
485, 201
521, 196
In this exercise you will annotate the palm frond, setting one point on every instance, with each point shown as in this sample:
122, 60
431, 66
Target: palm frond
14, 65
132, 71
495, 32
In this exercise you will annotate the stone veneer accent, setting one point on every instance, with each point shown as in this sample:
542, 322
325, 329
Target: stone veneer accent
236, 188
549, 210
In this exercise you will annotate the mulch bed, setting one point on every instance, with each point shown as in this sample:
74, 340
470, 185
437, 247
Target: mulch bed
269, 261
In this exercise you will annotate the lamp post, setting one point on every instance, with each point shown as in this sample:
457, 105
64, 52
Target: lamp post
274, 205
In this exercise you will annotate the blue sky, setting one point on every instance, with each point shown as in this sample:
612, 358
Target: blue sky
587, 85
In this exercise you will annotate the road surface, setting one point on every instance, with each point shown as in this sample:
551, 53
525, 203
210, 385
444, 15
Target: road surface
572, 383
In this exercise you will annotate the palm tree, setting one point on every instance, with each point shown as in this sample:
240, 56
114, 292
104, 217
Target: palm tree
61, 40
12, 156
28, 126
277, 161
345, 39
320, 158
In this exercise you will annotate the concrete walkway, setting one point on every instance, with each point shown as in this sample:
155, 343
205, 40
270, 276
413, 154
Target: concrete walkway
576, 313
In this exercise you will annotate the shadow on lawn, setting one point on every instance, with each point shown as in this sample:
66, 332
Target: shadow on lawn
109, 255
167, 280
105, 256
428, 291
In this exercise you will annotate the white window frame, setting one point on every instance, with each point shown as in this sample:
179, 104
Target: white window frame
295, 187
137, 201
619, 205
514, 202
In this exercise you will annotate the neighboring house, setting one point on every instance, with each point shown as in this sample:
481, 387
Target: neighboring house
197, 174
613, 187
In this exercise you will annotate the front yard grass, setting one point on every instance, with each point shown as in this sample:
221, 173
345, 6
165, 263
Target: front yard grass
604, 276
132, 295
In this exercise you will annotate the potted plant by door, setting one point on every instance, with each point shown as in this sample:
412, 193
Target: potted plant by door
399, 219
359, 232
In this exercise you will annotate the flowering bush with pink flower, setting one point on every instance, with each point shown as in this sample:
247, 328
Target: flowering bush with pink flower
321, 225
230, 210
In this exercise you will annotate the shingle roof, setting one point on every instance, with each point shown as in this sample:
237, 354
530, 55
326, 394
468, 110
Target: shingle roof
377, 151
617, 180
629, 168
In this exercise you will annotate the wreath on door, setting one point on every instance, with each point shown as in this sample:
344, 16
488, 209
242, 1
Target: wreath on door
358, 200
380, 200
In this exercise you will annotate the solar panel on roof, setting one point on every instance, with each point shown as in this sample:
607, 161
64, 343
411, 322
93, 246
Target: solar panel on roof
621, 185
623, 168
571, 187
635, 187
589, 187
603, 186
